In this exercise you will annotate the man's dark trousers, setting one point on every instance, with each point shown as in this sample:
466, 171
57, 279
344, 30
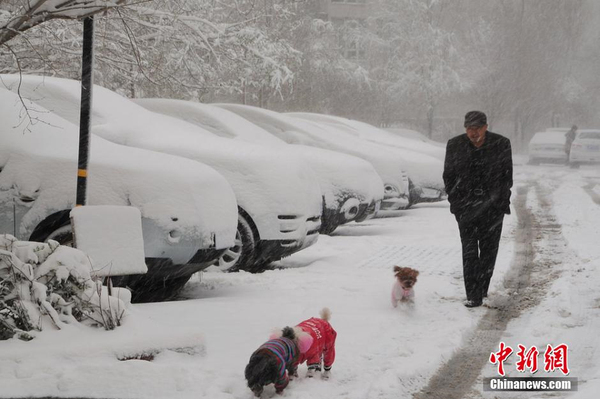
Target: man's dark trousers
480, 237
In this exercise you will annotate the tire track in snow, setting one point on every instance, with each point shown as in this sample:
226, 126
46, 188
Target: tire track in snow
456, 378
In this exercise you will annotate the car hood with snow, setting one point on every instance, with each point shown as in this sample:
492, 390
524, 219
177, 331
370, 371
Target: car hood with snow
351, 187
186, 206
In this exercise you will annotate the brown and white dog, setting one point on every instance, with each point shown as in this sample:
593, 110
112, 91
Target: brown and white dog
403, 289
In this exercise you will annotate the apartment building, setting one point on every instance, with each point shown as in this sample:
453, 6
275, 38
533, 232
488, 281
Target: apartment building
347, 12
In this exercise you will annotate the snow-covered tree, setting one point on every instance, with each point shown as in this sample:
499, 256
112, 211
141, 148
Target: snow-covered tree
17, 16
528, 57
325, 80
170, 48
415, 60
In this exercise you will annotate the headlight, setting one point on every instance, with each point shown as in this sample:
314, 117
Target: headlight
389, 190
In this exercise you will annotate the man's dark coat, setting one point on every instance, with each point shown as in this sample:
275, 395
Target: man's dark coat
478, 180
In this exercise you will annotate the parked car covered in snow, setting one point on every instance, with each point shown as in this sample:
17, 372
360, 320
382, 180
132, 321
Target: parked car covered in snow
414, 135
374, 134
351, 188
297, 131
548, 146
585, 149
279, 201
188, 210
423, 163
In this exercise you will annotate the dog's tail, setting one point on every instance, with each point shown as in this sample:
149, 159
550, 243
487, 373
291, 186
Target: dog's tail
325, 314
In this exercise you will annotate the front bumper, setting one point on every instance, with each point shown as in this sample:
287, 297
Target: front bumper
273, 250
426, 194
394, 204
350, 210
548, 156
165, 268
584, 158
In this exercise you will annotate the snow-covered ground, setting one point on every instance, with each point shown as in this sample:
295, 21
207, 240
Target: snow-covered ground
202, 342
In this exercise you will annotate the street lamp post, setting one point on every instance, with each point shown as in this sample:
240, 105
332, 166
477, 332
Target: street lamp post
87, 65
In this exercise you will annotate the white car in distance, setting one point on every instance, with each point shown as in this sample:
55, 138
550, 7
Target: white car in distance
189, 212
585, 149
548, 147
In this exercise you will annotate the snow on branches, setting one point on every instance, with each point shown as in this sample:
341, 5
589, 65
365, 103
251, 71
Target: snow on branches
18, 15
47, 284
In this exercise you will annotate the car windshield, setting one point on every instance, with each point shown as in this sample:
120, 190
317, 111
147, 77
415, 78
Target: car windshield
590, 135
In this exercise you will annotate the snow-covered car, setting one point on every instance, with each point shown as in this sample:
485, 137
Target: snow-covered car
414, 135
558, 129
297, 131
278, 197
351, 188
188, 210
423, 163
374, 134
585, 148
548, 147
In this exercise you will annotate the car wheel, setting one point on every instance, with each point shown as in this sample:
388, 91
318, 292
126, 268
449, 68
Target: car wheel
241, 255
413, 196
328, 228
329, 220
63, 235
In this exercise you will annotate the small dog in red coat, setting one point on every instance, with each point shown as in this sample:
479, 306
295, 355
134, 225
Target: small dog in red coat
316, 343
403, 289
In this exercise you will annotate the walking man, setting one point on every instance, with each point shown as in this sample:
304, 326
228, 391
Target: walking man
478, 176
569, 138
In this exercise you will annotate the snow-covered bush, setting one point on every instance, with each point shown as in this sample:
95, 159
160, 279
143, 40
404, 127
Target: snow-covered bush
47, 284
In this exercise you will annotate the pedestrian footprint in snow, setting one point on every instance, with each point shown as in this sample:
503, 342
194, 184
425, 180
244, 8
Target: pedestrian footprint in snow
478, 176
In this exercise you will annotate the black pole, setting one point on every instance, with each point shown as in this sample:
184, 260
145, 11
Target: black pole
87, 61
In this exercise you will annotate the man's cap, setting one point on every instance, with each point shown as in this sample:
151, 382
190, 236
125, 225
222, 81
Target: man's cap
475, 119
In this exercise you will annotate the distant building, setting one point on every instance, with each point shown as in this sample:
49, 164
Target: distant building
346, 12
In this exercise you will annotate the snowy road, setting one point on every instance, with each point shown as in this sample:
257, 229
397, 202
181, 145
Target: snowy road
544, 291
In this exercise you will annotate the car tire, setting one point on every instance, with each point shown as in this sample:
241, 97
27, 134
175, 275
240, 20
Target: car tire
328, 228
329, 220
413, 197
242, 255
63, 235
